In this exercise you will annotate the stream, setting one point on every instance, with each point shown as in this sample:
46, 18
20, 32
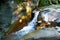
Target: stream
49, 15
29, 28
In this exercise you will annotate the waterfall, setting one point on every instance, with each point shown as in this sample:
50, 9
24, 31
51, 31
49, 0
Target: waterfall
33, 22
29, 27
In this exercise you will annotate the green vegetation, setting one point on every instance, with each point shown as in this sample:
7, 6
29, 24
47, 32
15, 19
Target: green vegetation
43, 3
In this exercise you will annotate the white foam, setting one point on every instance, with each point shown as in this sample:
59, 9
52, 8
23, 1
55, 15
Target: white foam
29, 27
52, 15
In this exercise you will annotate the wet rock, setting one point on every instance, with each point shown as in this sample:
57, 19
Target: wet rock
44, 34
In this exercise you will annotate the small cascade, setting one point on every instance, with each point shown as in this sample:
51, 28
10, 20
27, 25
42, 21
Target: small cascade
33, 22
29, 27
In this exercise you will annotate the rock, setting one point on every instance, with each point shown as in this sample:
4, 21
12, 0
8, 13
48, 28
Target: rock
47, 33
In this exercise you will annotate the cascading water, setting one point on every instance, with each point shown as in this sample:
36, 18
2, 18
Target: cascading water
48, 14
29, 27
51, 14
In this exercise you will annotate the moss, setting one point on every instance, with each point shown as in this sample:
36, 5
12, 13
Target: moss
43, 3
